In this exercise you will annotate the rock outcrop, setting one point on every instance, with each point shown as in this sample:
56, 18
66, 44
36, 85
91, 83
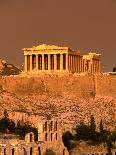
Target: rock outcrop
8, 69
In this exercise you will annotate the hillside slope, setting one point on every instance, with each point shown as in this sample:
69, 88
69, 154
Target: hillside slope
69, 110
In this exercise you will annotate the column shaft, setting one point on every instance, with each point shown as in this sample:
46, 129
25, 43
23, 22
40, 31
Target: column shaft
61, 61
43, 62
55, 62
49, 67
25, 64
30, 62
36, 61
67, 61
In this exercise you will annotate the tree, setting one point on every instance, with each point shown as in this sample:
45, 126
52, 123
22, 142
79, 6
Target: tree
6, 125
101, 128
67, 137
82, 131
92, 125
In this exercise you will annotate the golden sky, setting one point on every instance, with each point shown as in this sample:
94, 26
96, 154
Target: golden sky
86, 25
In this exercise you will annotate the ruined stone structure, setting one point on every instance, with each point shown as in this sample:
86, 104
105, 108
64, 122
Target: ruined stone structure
49, 140
54, 59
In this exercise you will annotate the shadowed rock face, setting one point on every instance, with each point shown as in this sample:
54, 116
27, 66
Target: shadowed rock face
8, 69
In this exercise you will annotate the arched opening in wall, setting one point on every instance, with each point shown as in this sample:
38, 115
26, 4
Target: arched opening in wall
31, 151
46, 136
4, 151
24, 151
50, 126
46, 126
49, 152
39, 151
55, 126
51, 136
31, 137
56, 136
13, 151
63, 151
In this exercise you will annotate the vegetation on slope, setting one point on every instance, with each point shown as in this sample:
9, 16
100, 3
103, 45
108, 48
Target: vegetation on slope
20, 129
89, 134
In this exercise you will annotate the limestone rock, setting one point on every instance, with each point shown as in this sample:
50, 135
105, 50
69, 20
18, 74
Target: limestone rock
8, 69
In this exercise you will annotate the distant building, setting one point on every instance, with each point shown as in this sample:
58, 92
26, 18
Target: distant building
54, 59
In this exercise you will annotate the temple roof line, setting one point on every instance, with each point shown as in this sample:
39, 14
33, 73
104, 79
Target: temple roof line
44, 46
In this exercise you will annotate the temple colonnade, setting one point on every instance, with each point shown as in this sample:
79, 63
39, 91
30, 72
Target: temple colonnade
53, 62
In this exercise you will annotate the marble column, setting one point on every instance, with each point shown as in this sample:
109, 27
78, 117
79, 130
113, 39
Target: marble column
37, 62
43, 67
71, 63
67, 61
55, 62
61, 61
75, 64
49, 64
30, 62
99, 66
25, 64
79, 64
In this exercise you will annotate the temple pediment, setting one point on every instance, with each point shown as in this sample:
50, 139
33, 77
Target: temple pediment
46, 47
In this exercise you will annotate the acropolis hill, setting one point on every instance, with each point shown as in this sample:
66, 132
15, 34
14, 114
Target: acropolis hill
50, 86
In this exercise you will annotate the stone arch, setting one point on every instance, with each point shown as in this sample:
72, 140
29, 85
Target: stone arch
49, 152
31, 151
4, 151
39, 151
13, 151
63, 151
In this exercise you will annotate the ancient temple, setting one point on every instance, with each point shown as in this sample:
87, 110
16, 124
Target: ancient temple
54, 59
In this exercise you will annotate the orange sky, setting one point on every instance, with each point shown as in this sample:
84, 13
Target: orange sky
86, 25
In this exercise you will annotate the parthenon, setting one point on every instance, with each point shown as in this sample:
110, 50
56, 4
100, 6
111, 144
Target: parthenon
54, 59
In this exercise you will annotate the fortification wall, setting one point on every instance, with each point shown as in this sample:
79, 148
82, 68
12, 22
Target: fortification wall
86, 86
105, 85
69, 85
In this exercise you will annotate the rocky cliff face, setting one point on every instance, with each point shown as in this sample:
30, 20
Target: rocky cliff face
8, 69
68, 98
